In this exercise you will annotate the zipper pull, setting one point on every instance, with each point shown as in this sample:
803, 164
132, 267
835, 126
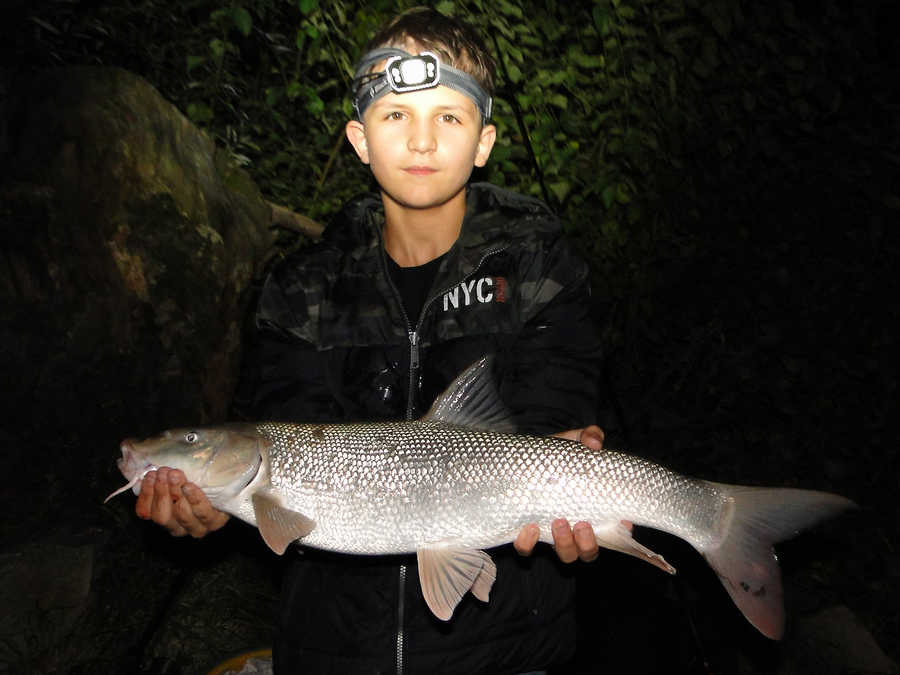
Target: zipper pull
413, 350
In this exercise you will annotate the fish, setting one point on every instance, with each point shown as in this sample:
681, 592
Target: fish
460, 481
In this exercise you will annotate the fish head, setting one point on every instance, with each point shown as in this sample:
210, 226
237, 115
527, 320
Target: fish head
221, 461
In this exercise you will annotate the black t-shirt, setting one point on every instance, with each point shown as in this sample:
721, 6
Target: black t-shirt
413, 283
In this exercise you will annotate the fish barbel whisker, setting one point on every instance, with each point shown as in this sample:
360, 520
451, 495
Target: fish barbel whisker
130, 484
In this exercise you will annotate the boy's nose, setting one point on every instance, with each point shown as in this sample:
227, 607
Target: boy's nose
421, 138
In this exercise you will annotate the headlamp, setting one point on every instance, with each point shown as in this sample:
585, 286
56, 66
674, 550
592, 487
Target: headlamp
417, 72
404, 72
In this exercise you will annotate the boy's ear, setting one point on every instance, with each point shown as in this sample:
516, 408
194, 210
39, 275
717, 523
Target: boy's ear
485, 144
356, 134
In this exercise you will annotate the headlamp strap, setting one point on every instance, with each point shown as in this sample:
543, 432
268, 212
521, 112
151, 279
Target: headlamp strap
404, 72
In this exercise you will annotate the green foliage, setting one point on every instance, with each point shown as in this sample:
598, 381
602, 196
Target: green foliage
682, 141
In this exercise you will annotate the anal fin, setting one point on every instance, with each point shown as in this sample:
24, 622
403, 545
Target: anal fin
446, 574
277, 525
616, 535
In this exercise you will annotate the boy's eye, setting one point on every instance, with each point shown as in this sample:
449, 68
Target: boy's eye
395, 115
450, 119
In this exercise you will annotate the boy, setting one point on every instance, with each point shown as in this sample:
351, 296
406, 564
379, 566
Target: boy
404, 292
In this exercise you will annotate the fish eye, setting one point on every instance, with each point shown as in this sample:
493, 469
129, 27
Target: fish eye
191, 437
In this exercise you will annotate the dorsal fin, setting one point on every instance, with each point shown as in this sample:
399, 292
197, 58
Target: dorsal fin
472, 400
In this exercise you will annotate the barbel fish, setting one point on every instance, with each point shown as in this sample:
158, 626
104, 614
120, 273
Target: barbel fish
459, 481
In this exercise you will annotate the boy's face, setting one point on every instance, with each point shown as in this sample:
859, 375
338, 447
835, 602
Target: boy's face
422, 145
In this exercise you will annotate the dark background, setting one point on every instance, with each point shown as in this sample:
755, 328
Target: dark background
729, 170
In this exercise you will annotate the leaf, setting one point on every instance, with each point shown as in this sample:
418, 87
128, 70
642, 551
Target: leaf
509, 9
447, 7
293, 89
314, 104
561, 189
640, 76
194, 61
199, 113
217, 47
608, 195
587, 60
610, 229
601, 17
307, 6
559, 101
242, 20
43, 24
500, 152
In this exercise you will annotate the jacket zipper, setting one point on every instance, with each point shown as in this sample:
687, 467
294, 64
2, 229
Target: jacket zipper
413, 334
413, 366
400, 631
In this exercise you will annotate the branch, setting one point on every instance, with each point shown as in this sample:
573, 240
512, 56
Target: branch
285, 218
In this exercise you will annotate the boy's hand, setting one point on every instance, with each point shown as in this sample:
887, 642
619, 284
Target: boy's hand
182, 508
570, 543
591, 436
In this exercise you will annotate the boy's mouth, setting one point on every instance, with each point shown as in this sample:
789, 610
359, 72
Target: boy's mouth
419, 170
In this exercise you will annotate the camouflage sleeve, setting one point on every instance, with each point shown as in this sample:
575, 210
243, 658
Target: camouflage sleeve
285, 377
551, 370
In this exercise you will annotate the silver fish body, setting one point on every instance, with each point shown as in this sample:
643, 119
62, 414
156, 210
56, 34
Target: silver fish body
395, 487
451, 485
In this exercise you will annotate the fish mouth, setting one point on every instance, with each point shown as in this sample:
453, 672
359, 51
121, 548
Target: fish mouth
132, 468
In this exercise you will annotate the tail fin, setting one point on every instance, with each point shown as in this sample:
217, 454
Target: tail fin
752, 521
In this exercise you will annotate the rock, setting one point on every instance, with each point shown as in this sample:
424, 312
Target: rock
237, 594
130, 245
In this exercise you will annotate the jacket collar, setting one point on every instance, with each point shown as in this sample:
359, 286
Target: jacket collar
494, 218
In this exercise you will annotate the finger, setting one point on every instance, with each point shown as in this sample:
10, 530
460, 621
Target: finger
145, 498
194, 512
564, 541
585, 541
161, 505
182, 509
161, 509
184, 515
208, 516
593, 437
570, 434
176, 479
527, 539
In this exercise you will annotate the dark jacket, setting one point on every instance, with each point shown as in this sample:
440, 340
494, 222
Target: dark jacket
335, 344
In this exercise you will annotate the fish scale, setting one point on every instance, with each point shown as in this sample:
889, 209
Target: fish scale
456, 482
411, 484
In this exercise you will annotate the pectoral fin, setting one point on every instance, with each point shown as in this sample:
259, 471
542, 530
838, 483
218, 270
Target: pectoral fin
616, 536
447, 573
277, 525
